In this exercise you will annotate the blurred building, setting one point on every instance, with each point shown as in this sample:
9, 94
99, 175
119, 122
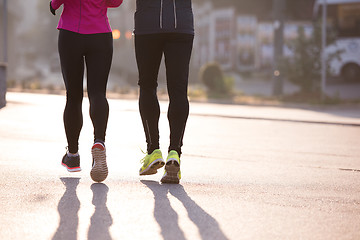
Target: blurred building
239, 35
236, 33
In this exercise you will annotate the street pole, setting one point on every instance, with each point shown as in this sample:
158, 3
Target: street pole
323, 45
5, 19
3, 65
278, 12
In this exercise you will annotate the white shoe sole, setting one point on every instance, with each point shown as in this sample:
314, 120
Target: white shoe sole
78, 169
99, 171
172, 169
153, 167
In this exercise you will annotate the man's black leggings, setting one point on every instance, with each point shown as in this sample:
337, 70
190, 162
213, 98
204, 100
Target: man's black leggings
149, 49
76, 50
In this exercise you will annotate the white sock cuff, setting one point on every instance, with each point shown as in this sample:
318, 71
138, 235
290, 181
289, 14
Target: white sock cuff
72, 154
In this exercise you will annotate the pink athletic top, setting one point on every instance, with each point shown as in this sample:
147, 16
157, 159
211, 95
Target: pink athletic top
85, 16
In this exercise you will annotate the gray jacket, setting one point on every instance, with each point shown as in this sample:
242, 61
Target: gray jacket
164, 16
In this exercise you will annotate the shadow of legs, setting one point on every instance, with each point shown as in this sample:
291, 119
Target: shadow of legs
101, 220
68, 208
164, 214
208, 227
167, 218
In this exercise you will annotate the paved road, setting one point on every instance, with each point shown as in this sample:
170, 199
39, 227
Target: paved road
248, 173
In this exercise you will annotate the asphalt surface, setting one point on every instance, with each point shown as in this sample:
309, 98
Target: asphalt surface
248, 173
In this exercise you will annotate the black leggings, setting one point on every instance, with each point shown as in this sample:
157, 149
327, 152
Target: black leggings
149, 48
96, 50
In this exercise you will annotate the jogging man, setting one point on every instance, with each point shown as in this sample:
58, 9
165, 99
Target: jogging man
163, 27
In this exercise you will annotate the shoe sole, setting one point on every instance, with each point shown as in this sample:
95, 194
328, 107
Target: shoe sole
153, 167
99, 171
172, 169
75, 169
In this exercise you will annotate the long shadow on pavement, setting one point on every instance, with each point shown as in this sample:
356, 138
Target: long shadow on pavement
68, 208
167, 217
101, 220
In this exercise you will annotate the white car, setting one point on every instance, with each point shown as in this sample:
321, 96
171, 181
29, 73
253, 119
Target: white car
348, 66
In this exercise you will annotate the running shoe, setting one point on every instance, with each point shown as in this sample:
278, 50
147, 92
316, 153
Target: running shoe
172, 172
99, 170
151, 163
72, 163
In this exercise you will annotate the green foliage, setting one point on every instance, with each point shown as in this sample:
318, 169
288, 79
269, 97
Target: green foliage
304, 67
229, 84
196, 92
212, 76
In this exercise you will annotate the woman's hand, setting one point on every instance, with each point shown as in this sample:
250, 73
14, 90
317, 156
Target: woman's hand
52, 10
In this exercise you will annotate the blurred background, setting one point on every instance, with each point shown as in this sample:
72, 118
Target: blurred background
267, 49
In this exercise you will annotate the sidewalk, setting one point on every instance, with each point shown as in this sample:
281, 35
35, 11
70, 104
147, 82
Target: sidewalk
257, 87
346, 115
337, 114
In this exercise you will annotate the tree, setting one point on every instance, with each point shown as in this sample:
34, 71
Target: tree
304, 67
218, 85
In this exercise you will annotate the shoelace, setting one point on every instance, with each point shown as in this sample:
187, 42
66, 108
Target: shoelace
143, 159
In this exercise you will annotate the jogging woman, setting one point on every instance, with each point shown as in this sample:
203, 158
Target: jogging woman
85, 38
163, 27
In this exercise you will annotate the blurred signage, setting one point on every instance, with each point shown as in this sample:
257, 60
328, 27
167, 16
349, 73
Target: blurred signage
246, 42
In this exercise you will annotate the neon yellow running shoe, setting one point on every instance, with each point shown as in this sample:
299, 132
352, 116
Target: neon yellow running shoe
151, 163
172, 172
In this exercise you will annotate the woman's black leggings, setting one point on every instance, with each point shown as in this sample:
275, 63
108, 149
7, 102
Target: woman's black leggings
76, 50
149, 49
